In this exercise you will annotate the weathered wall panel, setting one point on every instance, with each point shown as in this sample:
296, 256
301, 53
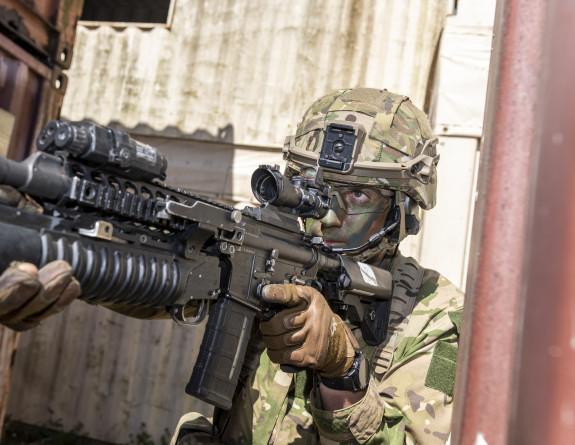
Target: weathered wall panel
222, 171
253, 65
109, 373
461, 85
446, 228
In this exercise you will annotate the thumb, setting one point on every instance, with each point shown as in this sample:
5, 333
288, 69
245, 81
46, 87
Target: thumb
284, 294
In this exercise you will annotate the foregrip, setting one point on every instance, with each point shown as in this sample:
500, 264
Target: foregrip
222, 352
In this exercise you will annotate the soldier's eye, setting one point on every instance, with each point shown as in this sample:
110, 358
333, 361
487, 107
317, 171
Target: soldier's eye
358, 194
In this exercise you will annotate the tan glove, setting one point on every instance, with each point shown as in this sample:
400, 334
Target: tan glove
307, 333
12, 197
27, 295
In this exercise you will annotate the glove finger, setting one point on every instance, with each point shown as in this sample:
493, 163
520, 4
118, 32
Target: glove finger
72, 291
69, 294
21, 325
281, 322
56, 277
10, 196
25, 267
302, 357
17, 287
308, 293
280, 342
288, 340
31, 206
300, 336
285, 294
295, 356
282, 356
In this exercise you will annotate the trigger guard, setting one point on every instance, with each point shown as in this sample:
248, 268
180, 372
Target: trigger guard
315, 284
177, 314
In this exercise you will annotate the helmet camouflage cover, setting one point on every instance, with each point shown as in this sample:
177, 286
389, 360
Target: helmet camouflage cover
398, 152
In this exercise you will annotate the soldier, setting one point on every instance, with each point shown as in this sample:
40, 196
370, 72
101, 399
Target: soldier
347, 391
344, 390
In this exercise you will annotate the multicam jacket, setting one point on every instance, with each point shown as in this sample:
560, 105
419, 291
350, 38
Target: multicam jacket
409, 399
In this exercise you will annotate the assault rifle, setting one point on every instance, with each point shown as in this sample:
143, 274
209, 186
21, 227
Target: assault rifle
133, 240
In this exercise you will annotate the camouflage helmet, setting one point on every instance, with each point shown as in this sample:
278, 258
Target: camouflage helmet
396, 148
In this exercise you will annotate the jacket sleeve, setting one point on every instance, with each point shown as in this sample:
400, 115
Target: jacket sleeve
412, 401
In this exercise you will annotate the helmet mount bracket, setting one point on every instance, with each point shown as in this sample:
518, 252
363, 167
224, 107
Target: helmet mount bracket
342, 142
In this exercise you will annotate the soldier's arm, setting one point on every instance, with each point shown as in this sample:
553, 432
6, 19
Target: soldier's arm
412, 401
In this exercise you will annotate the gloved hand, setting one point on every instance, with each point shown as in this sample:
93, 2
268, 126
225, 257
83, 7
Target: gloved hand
307, 333
12, 197
27, 295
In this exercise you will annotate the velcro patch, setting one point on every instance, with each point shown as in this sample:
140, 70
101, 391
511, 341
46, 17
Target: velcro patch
441, 372
456, 317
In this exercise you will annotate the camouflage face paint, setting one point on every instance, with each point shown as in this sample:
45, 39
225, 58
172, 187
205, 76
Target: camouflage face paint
355, 215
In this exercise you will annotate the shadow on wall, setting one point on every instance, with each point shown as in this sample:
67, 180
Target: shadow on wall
224, 134
201, 162
205, 162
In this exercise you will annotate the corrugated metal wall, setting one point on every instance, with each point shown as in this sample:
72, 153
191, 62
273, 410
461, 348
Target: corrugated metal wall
253, 65
107, 372
217, 90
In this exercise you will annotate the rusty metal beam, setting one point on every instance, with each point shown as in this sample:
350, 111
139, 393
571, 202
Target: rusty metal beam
486, 366
45, 28
544, 396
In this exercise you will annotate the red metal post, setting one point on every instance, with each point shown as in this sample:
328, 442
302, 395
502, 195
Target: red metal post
493, 302
544, 395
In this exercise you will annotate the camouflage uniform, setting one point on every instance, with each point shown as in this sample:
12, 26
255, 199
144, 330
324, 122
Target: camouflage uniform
409, 400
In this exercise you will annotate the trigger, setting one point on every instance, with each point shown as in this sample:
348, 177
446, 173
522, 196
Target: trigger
269, 310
